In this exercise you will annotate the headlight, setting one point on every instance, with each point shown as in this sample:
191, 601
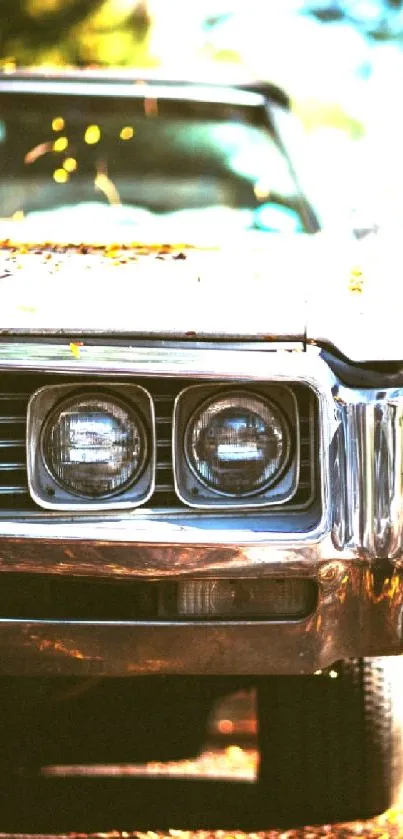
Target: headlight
89, 448
237, 443
236, 448
94, 446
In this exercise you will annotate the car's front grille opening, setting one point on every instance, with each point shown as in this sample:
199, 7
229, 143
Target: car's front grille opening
52, 598
13, 408
15, 392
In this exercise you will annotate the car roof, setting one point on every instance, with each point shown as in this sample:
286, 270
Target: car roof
233, 88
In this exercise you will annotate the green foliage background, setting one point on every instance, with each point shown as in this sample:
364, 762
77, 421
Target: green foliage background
122, 33
74, 32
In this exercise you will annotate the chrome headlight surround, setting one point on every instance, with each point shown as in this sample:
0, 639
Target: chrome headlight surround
192, 489
44, 486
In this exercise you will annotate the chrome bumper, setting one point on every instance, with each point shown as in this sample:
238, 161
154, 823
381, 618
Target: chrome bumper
359, 613
354, 550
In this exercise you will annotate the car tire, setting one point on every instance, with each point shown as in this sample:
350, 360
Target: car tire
326, 744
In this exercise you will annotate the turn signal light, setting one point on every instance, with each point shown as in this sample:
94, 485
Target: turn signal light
263, 599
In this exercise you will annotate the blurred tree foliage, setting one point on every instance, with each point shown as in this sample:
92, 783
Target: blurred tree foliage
74, 32
119, 32
149, 32
378, 19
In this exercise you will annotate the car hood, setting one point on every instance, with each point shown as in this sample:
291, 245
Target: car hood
316, 289
238, 290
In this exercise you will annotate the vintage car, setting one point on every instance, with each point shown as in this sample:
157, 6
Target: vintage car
201, 404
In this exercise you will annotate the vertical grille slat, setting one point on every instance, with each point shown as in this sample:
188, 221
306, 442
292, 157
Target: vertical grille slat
15, 391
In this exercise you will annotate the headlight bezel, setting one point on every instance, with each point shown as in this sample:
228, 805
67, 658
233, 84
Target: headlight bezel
49, 492
190, 488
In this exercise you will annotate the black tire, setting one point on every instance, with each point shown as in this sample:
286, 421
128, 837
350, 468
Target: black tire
326, 744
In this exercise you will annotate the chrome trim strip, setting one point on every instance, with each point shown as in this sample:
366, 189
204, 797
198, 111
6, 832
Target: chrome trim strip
147, 532
367, 499
97, 551
179, 361
359, 613
133, 89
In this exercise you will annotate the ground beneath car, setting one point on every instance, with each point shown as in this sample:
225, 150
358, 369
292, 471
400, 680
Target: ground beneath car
229, 754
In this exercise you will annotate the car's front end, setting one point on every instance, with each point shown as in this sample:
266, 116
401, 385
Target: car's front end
202, 566
194, 481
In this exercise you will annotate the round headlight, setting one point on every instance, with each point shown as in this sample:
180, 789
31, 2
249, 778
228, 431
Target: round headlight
94, 445
237, 443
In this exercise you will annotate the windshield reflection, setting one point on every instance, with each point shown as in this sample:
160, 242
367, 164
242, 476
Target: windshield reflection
93, 171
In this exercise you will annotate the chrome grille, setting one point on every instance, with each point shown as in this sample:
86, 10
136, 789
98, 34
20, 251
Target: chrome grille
16, 389
13, 480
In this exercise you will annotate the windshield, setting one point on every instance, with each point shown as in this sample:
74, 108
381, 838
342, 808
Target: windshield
97, 165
